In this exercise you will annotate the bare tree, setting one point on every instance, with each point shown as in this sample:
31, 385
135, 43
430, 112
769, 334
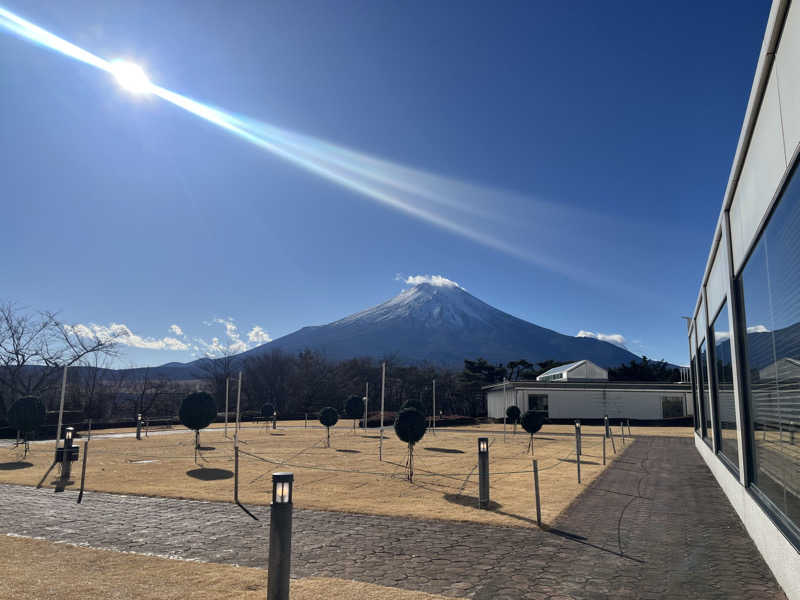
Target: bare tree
34, 345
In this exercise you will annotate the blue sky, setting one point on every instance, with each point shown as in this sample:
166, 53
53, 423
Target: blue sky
573, 158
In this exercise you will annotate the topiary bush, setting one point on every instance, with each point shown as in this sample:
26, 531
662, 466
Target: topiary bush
328, 416
410, 425
414, 403
354, 407
513, 414
532, 422
198, 411
26, 415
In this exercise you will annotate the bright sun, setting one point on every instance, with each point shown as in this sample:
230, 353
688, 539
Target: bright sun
131, 77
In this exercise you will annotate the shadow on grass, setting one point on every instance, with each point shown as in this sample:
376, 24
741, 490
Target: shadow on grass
373, 437
210, 474
277, 434
206, 448
348, 451
13, 466
445, 450
471, 501
583, 462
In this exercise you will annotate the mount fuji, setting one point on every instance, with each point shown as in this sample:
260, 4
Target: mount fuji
442, 324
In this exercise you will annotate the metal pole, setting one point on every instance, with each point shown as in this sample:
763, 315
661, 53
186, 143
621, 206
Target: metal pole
236, 474
604, 448
578, 448
227, 385
280, 550
61, 406
366, 403
238, 403
434, 407
383, 396
536, 491
622, 430
505, 400
83, 469
66, 463
138, 426
629, 429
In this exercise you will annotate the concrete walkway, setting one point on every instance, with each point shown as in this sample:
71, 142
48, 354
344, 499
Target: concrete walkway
654, 525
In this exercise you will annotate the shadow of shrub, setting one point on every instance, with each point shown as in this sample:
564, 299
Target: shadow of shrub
471, 501
209, 474
445, 450
13, 466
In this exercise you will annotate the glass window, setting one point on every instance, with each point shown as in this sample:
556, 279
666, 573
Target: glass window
770, 288
695, 385
702, 376
723, 384
537, 402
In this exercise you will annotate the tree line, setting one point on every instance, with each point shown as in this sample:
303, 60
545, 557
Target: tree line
35, 346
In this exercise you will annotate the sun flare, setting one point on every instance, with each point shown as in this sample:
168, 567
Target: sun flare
131, 77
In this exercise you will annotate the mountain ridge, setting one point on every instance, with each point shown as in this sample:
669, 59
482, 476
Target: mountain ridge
441, 324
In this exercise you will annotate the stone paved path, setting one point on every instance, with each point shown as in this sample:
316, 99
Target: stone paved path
654, 525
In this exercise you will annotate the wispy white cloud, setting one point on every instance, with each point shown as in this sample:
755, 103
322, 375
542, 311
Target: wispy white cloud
757, 329
122, 334
257, 335
615, 338
176, 330
437, 280
233, 344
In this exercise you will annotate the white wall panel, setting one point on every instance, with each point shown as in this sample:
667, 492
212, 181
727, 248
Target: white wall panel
763, 168
717, 285
787, 65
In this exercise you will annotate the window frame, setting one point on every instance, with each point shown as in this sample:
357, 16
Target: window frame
790, 530
714, 398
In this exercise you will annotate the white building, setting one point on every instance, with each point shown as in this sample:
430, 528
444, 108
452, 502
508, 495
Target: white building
744, 331
592, 399
583, 370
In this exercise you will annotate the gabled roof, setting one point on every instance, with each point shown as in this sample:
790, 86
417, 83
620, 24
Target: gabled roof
562, 368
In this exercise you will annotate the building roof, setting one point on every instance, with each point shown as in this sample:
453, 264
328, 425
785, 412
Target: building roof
562, 368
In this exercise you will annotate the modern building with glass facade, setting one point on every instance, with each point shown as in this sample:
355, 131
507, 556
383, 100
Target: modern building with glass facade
744, 334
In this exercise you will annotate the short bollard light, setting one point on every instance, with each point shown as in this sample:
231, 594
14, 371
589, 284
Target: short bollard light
280, 537
66, 455
139, 426
483, 472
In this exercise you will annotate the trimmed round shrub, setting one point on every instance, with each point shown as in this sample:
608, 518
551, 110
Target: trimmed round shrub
354, 407
328, 416
533, 420
268, 410
198, 411
513, 413
410, 425
26, 414
414, 403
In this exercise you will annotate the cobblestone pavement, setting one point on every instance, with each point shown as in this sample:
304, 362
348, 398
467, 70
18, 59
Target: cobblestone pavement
654, 525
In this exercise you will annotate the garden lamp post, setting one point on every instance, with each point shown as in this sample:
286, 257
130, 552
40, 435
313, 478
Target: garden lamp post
280, 537
483, 472
139, 426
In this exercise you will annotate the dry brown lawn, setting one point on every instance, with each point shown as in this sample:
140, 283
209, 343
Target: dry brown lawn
47, 571
348, 476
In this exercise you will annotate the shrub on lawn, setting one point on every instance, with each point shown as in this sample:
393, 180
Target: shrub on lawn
513, 414
354, 407
328, 416
410, 426
26, 415
532, 422
197, 412
414, 403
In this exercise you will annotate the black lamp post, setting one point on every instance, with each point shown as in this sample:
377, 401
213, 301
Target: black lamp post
280, 537
483, 472
139, 426
578, 447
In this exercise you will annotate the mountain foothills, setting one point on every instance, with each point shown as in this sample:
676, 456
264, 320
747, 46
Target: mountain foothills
442, 325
